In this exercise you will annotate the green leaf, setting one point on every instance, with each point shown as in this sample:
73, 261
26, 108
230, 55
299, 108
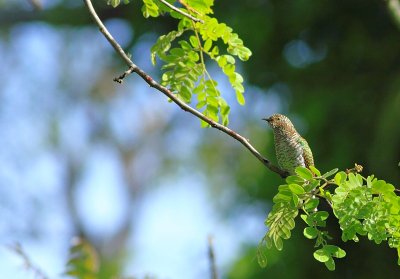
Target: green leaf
229, 70
296, 189
398, 253
321, 215
163, 44
355, 180
340, 177
340, 253
315, 218
201, 104
185, 94
294, 179
306, 219
330, 173
240, 98
295, 200
381, 187
193, 40
261, 256
284, 195
304, 173
113, 3
310, 232
315, 170
207, 45
149, 9
311, 185
224, 109
330, 264
280, 222
221, 60
202, 6
322, 256
185, 45
278, 243
311, 204
83, 260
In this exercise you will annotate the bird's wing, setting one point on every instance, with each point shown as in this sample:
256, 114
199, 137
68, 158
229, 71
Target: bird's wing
307, 154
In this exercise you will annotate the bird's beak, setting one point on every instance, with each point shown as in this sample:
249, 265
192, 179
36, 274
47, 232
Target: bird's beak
266, 119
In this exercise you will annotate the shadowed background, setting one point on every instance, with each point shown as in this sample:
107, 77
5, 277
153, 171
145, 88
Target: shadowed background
139, 178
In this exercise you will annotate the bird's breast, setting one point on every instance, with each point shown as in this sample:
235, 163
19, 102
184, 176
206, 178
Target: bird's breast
289, 152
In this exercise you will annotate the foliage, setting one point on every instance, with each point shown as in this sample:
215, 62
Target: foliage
201, 38
83, 260
363, 206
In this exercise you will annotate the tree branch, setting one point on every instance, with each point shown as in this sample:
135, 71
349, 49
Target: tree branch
172, 7
37, 272
152, 83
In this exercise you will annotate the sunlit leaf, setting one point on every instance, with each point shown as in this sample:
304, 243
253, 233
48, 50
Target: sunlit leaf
330, 173
296, 189
321, 255
310, 232
304, 173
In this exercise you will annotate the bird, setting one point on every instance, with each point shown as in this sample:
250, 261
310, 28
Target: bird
291, 149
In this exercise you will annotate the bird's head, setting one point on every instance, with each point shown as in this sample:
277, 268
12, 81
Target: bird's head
279, 122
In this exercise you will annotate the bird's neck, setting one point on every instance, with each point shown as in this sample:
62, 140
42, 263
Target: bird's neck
286, 132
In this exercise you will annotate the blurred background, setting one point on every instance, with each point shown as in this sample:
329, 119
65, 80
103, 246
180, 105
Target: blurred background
137, 177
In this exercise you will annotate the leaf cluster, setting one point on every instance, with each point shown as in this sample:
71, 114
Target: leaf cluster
186, 51
363, 207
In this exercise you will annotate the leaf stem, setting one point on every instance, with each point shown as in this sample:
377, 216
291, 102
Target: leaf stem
202, 58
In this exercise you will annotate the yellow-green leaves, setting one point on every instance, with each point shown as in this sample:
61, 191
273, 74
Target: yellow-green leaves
201, 6
381, 187
203, 38
185, 71
304, 173
280, 220
163, 45
310, 232
340, 177
115, 3
237, 48
302, 192
330, 173
83, 262
367, 206
149, 9
280, 224
363, 207
327, 253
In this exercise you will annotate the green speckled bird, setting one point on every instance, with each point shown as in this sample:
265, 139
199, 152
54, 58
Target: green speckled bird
291, 149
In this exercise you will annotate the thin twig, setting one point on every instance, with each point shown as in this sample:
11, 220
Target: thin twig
17, 249
180, 11
152, 83
120, 79
211, 258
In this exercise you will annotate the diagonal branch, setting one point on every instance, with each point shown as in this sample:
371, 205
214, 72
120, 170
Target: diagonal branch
152, 83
